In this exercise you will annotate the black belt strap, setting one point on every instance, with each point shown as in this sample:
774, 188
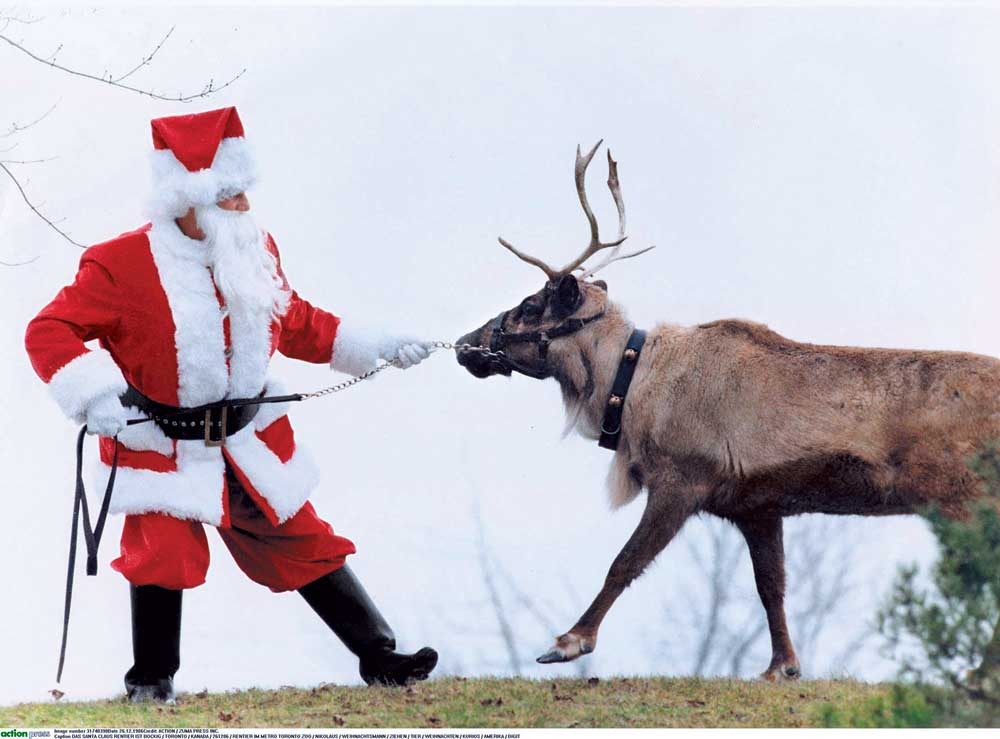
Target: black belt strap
91, 534
611, 426
225, 417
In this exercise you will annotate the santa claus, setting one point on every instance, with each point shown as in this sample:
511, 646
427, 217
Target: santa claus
188, 310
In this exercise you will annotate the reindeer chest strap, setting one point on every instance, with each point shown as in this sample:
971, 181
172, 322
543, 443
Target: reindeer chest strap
611, 426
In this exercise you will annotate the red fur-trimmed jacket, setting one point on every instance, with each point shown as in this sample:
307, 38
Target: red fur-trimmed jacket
149, 300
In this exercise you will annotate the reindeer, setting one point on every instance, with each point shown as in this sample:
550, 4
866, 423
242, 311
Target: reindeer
731, 419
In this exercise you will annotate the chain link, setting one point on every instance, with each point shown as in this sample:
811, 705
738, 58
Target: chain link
465, 347
435, 345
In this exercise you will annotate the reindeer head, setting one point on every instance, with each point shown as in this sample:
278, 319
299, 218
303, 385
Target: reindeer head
519, 338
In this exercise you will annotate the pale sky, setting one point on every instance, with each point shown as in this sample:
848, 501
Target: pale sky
832, 173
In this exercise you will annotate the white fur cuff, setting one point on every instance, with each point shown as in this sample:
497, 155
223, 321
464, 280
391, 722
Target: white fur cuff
355, 351
89, 376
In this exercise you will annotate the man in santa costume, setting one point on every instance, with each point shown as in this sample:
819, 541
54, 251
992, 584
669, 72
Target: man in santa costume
188, 310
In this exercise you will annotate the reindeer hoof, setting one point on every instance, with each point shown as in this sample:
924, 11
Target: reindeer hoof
782, 673
567, 647
553, 655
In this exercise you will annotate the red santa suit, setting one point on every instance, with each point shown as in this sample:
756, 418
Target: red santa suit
149, 300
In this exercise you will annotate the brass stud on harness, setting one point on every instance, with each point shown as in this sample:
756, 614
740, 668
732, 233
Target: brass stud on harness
615, 401
631, 354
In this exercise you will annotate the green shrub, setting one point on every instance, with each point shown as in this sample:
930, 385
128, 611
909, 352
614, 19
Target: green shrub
904, 707
945, 636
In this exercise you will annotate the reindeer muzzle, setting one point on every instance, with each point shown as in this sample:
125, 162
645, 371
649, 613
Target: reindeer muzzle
478, 363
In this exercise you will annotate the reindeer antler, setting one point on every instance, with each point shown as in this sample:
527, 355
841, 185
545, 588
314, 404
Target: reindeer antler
549, 271
595, 245
616, 192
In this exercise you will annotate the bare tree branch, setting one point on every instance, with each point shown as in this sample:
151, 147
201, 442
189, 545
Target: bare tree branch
498, 607
18, 264
27, 161
724, 559
526, 602
7, 19
849, 654
18, 127
35, 209
209, 89
750, 633
9, 16
716, 600
146, 59
730, 627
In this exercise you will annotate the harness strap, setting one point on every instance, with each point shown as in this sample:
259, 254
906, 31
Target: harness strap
567, 327
611, 426
500, 338
91, 534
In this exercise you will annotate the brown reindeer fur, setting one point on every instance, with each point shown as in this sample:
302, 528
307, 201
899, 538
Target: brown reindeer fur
732, 419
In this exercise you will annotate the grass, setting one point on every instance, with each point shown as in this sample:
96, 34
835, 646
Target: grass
475, 703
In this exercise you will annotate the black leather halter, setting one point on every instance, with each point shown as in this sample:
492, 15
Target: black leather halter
499, 339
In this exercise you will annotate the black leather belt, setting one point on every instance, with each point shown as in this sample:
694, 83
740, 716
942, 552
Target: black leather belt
213, 422
611, 426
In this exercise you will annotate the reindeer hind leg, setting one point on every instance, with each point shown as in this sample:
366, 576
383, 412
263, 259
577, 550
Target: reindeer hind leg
764, 534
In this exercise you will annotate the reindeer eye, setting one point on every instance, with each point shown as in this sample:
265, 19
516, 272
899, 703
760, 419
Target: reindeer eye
531, 309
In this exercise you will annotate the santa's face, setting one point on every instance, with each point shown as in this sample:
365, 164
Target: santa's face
243, 268
238, 202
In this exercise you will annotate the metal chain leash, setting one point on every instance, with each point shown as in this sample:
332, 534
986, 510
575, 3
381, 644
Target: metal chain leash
434, 346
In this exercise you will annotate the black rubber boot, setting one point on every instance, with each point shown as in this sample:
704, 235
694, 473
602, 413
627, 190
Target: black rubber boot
156, 644
345, 607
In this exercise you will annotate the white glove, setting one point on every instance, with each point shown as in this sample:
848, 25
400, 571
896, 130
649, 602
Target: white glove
356, 349
106, 416
403, 351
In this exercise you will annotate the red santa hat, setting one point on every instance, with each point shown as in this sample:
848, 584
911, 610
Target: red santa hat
199, 159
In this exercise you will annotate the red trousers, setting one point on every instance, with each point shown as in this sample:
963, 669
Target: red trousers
157, 549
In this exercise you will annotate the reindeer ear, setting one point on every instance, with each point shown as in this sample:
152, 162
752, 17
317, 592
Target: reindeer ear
568, 293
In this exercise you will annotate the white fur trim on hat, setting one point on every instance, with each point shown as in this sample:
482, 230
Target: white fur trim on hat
83, 380
175, 189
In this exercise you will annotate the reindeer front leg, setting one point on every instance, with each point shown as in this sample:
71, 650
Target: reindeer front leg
665, 513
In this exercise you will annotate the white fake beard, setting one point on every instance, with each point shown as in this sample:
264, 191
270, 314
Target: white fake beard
245, 272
